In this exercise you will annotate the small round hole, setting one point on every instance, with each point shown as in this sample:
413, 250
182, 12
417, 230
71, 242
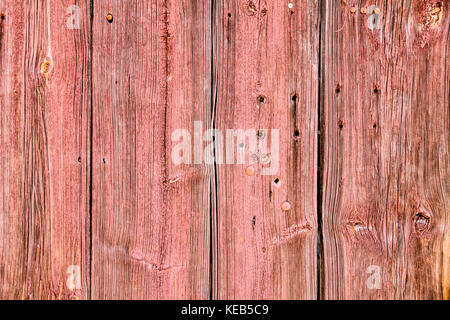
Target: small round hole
376, 90
2, 16
374, 126
296, 133
261, 99
338, 89
276, 180
229, 14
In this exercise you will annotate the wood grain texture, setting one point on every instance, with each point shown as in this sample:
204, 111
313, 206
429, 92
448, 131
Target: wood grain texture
386, 150
264, 54
150, 219
44, 141
90, 117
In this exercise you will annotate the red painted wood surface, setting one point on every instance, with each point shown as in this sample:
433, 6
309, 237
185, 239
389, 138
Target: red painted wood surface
386, 151
150, 219
93, 95
44, 98
266, 78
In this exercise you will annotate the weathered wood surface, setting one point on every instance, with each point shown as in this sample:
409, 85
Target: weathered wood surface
44, 98
266, 62
150, 218
93, 206
386, 151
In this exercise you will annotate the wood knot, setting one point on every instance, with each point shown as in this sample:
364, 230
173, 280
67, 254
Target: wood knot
427, 22
422, 223
356, 224
250, 8
432, 15
45, 67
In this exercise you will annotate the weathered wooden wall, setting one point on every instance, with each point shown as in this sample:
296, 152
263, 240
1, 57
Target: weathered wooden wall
93, 207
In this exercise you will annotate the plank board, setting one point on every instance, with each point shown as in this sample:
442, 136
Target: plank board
266, 58
150, 217
386, 175
44, 98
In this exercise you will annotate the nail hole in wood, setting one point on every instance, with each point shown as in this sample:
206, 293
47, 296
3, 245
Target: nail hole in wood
261, 99
294, 97
376, 90
341, 124
229, 14
291, 8
2, 16
276, 180
374, 126
79, 159
296, 133
104, 160
338, 89
261, 134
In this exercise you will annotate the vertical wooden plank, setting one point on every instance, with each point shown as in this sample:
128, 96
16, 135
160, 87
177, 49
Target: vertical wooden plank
386, 149
266, 78
44, 142
151, 76
12, 230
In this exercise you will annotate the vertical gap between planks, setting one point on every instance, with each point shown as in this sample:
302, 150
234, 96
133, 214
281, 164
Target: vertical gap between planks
213, 185
320, 154
91, 131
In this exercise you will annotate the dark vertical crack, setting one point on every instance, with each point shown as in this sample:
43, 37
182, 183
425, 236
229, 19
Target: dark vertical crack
320, 144
213, 186
91, 134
